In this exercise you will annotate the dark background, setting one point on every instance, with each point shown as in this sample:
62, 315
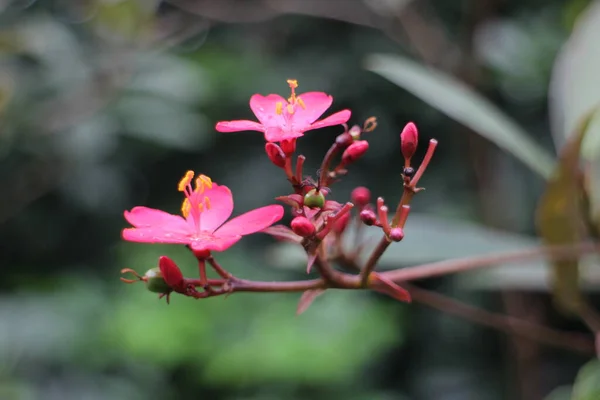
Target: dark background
105, 104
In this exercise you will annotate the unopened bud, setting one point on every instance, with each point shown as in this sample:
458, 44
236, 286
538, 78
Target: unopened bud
288, 146
361, 196
368, 217
396, 234
276, 154
155, 282
344, 140
355, 132
355, 151
408, 172
302, 227
409, 139
314, 199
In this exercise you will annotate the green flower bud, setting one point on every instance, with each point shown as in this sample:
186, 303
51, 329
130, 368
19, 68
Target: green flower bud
155, 282
314, 199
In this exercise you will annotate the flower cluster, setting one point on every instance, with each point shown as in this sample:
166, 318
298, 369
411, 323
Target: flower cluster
318, 223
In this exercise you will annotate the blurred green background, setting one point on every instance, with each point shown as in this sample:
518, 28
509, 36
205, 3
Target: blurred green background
104, 104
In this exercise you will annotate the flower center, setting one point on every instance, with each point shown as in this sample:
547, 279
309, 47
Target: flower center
194, 203
292, 102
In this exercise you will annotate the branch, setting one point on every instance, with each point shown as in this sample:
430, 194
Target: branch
504, 323
559, 252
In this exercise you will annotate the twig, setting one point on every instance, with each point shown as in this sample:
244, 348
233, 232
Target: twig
504, 323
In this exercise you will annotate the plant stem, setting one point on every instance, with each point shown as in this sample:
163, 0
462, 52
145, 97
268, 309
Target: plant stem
560, 252
333, 150
504, 323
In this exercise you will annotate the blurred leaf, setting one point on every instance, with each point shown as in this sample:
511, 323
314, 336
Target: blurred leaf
428, 238
307, 299
587, 383
224, 338
560, 393
559, 217
127, 18
575, 89
460, 102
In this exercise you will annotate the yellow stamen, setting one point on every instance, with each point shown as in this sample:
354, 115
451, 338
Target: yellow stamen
185, 208
187, 178
301, 102
290, 109
293, 84
207, 203
207, 181
279, 108
201, 207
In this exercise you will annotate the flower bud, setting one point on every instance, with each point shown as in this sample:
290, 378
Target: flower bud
409, 139
288, 146
344, 140
341, 224
155, 282
276, 154
302, 227
368, 217
396, 234
355, 151
355, 132
361, 196
314, 199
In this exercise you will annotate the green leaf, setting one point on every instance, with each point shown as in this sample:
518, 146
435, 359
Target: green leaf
587, 383
559, 217
458, 101
575, 90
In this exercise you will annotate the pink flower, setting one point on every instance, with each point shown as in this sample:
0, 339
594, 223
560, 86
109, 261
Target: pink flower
205, 210
282, 119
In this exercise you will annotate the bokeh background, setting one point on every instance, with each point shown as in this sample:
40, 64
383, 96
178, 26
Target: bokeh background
104, 104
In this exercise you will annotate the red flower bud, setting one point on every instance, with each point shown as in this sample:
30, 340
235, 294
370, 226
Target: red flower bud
170, 272
341, 224
355, 151
288, 146
361, 196
396, 234
302, 227
409, 138
276, 154
344, 140
368, 217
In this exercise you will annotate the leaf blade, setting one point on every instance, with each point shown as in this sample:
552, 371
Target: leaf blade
458, 101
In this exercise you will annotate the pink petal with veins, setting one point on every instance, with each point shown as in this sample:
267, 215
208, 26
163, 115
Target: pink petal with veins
145, 217
276, 134
154, 235
216, 243
315, 104
265, 109
221, 207
338, 118
252, 221
238, 125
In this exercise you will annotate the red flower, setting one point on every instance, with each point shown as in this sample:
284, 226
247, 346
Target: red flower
281, 119
205, 210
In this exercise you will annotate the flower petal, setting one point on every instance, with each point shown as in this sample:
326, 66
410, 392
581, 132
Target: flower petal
221, 207
265, 109
144, 217
338, 118
252, 221
170, 272
154, 235
315, 104
218, 243
238, 125
277, 134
